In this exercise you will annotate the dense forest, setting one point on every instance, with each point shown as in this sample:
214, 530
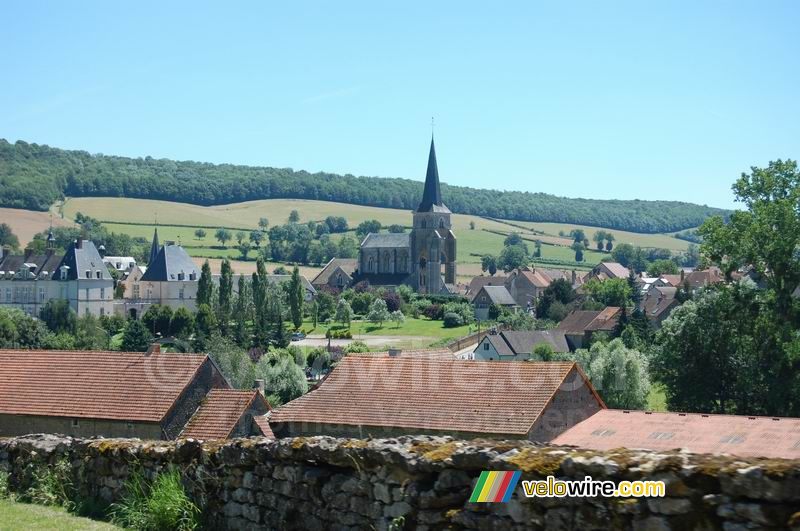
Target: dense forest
34, 176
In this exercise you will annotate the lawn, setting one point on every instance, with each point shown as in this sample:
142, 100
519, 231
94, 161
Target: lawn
411, 327
656, 400
22, 516
665, 241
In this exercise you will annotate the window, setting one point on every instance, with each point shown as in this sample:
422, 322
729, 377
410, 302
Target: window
181, 292
486, 346
41, 295
75, 423
103, 293
88, 274
102, 312
441, 223
99, 274
369, 265
136, 291
8, 294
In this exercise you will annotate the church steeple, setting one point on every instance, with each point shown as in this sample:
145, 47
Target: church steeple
154, 248
432, 195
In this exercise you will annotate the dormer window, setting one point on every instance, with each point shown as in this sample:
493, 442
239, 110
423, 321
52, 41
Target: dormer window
181, 275
192, 276
99, 274
88, 273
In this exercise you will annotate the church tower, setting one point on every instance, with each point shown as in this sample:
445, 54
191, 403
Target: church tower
433, 244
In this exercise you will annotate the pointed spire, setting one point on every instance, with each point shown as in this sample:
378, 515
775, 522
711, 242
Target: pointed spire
154, 248
432, 195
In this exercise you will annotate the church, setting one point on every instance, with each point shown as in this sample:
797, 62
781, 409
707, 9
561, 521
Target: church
424, 258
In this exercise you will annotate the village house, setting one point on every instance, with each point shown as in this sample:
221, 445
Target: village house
607, 270
489, 296
337, 274
513, 345
658, 302
695, 279
386, 396
694, 432
526, 285
149, 395
480, 281
28, 281
579, 325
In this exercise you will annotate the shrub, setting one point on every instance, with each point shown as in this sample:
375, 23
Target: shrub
452, 320
433, 312
52, 486
4, 490
356, 346
162, 505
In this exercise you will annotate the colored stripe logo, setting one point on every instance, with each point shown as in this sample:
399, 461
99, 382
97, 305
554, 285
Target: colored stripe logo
495, 487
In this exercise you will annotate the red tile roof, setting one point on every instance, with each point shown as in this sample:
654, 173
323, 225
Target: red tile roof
219, 413
89, 384
427, 353
730, 434
262, 422
581, 321
451, 396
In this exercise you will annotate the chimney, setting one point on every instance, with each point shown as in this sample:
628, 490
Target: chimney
79, 243
154, 348
28, 253
683, 274
258, 385
394, 352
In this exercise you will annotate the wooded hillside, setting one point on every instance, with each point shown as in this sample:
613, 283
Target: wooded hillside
34, 176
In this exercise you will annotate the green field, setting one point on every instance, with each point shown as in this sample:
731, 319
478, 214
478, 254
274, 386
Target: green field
136, 217
23, 516
410, 327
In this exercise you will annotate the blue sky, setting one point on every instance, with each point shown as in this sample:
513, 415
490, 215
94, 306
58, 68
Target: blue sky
669, 100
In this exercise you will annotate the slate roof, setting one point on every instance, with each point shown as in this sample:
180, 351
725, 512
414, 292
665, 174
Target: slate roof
478, 282
382, 279
171, 261
698, 433
510, 343
432, 193
386, 239
582, 321
348, 265
45, 265
130, 386
80, 258
221, 410
497, 295
120, 263
451, 396
659, 300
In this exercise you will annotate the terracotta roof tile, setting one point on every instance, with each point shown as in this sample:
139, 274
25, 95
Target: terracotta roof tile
428, 354
464, 396
91, 384
698, 433
262, 422
219, 413
581, 321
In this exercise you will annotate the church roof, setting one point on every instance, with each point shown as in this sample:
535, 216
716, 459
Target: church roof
386, 239
432, 194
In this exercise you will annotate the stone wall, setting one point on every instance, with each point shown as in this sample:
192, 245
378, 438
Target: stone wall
421, 483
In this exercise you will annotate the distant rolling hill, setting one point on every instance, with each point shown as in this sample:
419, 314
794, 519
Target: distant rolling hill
35, 176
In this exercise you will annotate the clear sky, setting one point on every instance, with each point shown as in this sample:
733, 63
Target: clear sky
639, 99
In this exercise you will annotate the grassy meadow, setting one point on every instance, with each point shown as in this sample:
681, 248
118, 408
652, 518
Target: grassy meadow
25, 516
178, 222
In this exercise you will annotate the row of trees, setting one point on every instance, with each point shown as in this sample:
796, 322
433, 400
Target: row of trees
34, 176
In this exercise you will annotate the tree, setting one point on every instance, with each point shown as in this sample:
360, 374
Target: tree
368, 226
263, 223
240, 237
513, 239
200, 234
225, 298
276, 302
256, 237
243, 313
397, 318
294, 216
619, 374
232, 360
610, 292
344, 313
489, 263
59, 317
471, 225
326, 306
296, 297
766, 236
542, 352
7, 237
577, 235
259, 292
182, 323
609, 242
205, 323
662, 267
396, 229
378, 313
347, 248
163, 320
205, 286
578, 247
599, 238
512, 257
223, 235
537, 249
706, 357
136, 337
283, 381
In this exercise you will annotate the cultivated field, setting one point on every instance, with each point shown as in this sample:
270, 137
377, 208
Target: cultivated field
26, 223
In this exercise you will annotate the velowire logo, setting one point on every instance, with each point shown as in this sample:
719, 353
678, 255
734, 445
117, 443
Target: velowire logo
495, 486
